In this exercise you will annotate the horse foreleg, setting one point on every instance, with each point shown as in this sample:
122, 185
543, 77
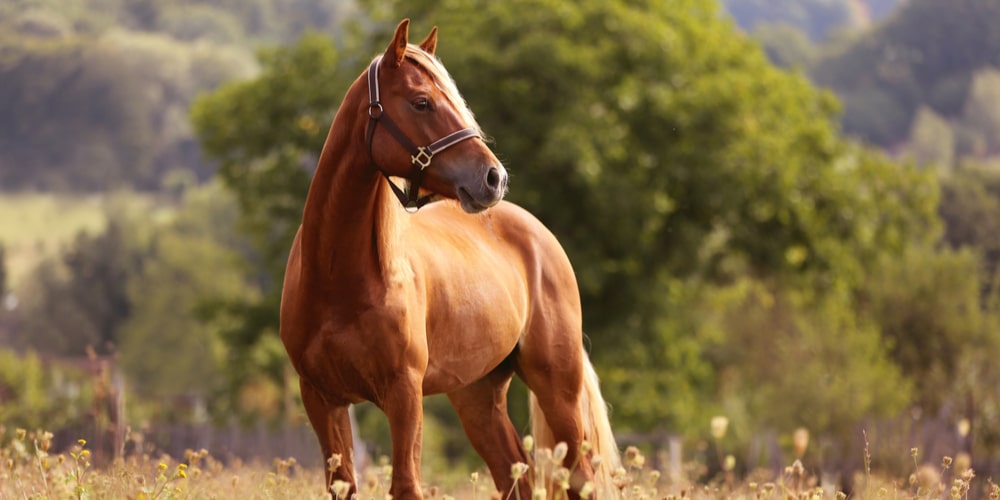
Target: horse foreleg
482, 408
404, 409
332, 424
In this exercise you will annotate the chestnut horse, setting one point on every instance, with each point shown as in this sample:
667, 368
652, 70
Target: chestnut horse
387, 306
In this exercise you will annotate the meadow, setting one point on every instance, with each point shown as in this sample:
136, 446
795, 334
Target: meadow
30, 469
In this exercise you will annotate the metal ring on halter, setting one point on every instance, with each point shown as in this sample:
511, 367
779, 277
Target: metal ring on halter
375, 110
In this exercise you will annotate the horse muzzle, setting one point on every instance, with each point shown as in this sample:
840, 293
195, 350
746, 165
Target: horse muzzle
485, 192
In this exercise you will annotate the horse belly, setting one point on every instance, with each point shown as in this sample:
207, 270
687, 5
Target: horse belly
470, 337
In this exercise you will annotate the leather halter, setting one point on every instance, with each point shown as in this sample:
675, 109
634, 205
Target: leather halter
420, 156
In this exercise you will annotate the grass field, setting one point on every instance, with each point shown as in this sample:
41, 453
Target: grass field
29, 471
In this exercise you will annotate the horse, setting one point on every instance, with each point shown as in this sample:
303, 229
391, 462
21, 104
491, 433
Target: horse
388, 297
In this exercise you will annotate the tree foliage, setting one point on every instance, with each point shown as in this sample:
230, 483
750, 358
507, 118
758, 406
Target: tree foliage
917, 58
95, 114
32, 391
816, 18
79, 299
185, 262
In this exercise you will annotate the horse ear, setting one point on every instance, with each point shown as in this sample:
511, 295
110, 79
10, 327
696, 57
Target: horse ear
430, 43
397, 48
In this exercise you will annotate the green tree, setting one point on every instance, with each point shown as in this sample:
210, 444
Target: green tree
817, 18
970, 210
932, 140
982, 112
916, 58
928, 304
786, 46
87, 114
34, 395
187, 260
80, 299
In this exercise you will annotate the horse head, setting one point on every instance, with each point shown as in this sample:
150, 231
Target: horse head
420, 129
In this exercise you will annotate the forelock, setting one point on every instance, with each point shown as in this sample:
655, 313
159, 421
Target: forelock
445, 82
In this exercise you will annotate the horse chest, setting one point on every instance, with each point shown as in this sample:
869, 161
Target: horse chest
349, 359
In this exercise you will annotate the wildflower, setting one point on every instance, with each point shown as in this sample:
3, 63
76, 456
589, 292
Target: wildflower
162, 467
340, 489
797, 468
21, 433
946, 462
81, 442
620, 478
559, 453
517, 470
654, 476
543, 456
585, 447
529, 443
539, 493
719, 426
841, 495
561, 478
46, 441
587, 490
914, 452
968, 475
474, 477
730, 463
928, 477
634, 458
333, 463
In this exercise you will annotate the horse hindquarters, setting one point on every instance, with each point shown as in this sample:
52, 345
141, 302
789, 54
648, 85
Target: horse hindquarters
592, 414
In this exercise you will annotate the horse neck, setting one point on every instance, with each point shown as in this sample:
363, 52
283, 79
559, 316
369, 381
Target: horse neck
350, 225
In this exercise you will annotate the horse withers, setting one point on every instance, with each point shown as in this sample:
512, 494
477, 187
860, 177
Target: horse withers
385, 304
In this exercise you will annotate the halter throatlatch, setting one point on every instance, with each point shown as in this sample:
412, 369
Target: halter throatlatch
420, 156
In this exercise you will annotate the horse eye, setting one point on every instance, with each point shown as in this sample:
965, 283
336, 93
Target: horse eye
422, 104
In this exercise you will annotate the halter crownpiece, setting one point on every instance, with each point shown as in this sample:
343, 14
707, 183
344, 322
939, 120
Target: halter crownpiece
420, 156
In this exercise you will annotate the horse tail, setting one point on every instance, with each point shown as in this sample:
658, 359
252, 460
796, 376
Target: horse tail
596, 430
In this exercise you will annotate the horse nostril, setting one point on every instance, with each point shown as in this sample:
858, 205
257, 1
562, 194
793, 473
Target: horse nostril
493, 179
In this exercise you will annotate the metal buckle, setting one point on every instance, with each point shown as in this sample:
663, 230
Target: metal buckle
422, 158
375, 110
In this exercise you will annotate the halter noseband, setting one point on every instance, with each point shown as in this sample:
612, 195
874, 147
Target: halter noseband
420, 156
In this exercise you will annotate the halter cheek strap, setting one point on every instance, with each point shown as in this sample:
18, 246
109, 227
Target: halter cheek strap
420, 156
